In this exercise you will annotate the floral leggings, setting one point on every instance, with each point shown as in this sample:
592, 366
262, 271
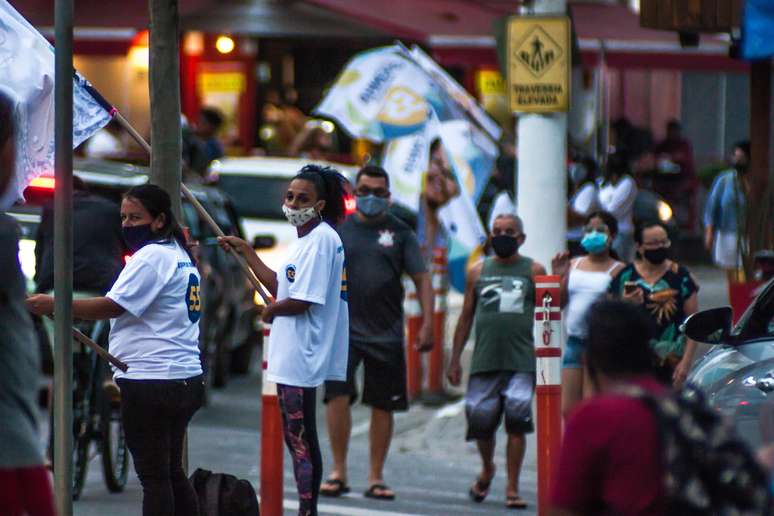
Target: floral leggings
299, 424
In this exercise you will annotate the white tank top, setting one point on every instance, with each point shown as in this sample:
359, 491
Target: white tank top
584, 288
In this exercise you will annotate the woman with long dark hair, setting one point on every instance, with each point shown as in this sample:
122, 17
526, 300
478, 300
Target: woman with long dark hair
310, 323
584, 280
155, 308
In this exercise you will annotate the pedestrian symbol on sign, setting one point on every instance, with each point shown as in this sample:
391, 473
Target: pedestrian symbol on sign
538, 52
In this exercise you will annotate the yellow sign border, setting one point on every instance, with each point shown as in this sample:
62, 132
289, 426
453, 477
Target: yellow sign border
510, 81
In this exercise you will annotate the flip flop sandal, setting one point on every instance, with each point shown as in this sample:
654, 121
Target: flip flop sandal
480, 490
336, 488
379, 492
515, 502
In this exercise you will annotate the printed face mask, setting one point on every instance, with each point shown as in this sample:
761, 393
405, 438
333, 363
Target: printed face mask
505, 246
299, 217
371, 205
137, 236
594, 242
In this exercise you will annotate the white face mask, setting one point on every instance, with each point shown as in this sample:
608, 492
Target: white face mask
299, 217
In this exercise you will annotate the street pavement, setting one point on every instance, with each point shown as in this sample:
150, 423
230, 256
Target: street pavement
430, 465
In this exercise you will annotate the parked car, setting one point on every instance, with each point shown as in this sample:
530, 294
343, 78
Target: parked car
229, 321
257, 187
737, 374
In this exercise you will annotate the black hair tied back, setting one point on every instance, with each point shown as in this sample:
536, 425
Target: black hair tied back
329, 185
157, 201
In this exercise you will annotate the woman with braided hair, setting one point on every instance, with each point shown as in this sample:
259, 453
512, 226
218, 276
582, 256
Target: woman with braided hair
309, 339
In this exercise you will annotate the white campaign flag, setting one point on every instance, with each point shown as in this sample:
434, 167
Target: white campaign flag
27, 79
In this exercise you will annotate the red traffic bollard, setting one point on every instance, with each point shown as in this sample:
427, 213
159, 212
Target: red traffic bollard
272, 456
440, 291
413, 357
548, 356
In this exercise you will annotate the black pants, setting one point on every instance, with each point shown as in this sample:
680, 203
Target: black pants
155, 415
299, 426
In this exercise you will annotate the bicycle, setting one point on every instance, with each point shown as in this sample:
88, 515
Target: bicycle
96, 417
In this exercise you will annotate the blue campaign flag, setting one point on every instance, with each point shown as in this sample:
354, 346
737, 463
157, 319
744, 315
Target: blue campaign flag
758, 29
27, 80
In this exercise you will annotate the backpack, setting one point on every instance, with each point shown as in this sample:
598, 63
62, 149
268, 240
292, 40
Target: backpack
224, 495
707, 469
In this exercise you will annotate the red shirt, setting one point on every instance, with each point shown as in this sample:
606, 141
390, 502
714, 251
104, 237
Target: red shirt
610, 462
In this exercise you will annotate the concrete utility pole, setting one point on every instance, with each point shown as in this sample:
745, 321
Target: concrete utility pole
542, 170
63, 259
166, 138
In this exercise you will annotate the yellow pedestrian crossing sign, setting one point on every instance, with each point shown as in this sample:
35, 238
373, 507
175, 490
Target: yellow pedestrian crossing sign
539, 63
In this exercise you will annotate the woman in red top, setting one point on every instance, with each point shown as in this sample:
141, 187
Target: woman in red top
610, 462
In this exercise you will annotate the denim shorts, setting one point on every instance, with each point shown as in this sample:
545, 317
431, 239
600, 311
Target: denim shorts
572, 358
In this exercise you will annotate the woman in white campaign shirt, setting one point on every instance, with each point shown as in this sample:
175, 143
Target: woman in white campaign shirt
309, 339
617, 193
154, 309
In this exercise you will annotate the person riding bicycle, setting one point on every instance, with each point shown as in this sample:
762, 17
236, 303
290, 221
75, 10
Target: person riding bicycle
98, 247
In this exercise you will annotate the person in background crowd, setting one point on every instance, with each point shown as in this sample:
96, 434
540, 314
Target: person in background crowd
25, 487
210, 122
584, 281
106, 143
155, 306
194, 154
584, 199
617, 193
98, 245
311, 143
610, 460
724, 211
668, 292
310, 322
380, 249
676, 181
500, 301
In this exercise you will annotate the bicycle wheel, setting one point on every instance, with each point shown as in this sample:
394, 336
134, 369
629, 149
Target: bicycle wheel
115, 455
81, 440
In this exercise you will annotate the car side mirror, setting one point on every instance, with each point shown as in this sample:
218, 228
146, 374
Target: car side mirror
264, 242
709, 326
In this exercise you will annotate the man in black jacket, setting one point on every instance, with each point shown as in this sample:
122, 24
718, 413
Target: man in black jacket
98, 247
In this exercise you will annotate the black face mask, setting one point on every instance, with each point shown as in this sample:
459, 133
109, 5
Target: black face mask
137, 236
656, 256
505, 246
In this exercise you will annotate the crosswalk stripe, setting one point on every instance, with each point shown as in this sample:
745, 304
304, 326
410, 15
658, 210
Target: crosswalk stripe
341, 510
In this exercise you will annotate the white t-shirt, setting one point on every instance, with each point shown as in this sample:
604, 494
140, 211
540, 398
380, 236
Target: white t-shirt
158, 335
309, 348
583, 203
619, 199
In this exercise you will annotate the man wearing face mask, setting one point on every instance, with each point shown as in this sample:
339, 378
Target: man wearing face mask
724, 209
379, 250
25, 487
669, 293
500, 301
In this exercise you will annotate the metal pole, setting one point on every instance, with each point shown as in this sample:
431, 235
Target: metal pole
63, 260
542, 171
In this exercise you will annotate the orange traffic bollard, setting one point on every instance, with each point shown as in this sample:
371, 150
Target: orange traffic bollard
413, 357
272, 455
440, 292
548, 356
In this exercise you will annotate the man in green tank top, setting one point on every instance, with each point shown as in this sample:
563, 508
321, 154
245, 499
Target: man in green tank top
500, 302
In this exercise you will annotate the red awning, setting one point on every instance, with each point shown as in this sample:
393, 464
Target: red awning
461, 33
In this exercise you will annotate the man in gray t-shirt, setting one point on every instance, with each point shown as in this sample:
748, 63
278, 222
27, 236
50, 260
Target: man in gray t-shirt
379, 249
